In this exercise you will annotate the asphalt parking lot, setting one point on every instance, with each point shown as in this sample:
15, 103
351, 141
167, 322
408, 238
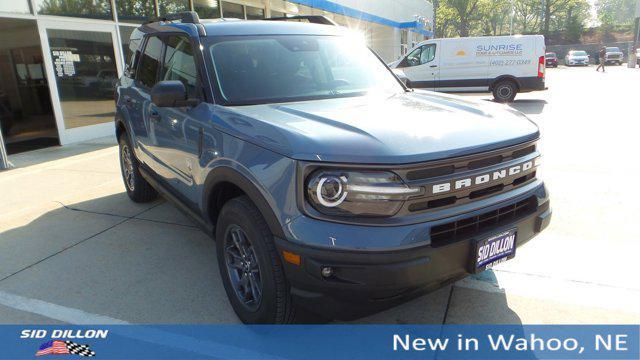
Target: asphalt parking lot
74, 249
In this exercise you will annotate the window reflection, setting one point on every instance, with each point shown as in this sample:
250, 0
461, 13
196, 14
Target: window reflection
85, 72
172, 6
125, 37
135, 10
26, 115
230, 10
207, 9
96, 9
254, 13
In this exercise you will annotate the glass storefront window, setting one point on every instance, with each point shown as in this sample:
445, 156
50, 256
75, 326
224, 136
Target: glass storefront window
135, 10
231, 10
95, 9
26, 115
207, 9
254, 13
277, 14
172, 6
85, 72
15, 6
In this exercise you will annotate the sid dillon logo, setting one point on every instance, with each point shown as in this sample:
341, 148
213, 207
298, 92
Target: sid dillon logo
59, 343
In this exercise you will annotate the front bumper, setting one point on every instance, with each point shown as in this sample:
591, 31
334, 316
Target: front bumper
365, 281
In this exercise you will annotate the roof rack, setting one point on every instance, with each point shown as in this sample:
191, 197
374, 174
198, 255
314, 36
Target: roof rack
187, 17
314, 19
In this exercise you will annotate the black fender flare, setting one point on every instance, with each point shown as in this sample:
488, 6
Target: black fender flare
505, 77
223, 174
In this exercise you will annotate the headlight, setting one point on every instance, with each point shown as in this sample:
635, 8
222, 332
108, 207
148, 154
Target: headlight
357, 193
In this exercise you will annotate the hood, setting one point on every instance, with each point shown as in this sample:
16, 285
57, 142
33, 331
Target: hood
578, 57
404, 128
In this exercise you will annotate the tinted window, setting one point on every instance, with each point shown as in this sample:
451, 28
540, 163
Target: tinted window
135, 10
96, 9
172, 6
254, 13
149, 62
230, 10
207, 9
179, 63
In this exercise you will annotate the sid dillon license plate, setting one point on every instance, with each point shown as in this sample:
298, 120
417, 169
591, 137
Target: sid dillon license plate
494, 250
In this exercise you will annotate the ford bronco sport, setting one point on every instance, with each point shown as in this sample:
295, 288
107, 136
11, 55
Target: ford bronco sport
329, 187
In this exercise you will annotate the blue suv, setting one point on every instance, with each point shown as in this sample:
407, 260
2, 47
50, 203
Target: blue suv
329, 187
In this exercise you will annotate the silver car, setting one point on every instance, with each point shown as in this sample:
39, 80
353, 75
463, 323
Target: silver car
576, 58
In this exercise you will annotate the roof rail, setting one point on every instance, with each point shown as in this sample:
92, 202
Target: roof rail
314, 19
188, 17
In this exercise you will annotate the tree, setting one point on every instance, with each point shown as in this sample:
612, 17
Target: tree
466, 11
496, 15
527, 13
616, 12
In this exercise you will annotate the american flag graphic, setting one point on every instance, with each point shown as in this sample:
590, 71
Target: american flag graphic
59, 347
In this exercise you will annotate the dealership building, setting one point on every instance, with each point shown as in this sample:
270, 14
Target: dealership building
59, 58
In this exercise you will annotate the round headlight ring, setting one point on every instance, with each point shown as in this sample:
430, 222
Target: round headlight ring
336, 194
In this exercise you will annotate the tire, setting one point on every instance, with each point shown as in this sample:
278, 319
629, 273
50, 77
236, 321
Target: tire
250, 267
138, 189
505, 91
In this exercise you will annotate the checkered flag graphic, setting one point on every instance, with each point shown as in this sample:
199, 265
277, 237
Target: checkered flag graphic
78, 349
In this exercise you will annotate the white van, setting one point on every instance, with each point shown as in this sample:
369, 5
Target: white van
504, 65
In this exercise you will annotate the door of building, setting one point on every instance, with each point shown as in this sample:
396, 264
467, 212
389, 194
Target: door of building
26, 118
84, 66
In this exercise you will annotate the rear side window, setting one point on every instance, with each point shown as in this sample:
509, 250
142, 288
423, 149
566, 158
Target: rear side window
179, 63
149, 63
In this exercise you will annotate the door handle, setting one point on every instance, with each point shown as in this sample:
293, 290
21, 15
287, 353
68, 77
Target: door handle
433, 66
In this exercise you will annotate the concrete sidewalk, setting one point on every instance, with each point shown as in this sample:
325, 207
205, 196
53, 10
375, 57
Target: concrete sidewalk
75, 249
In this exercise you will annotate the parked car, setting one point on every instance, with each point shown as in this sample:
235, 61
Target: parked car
329, 186
576, 57
551, 59
614, 56
503, 65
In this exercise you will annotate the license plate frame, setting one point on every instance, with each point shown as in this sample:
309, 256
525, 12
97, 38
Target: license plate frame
503, 250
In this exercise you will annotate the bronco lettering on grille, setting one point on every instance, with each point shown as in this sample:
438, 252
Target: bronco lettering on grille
486, 178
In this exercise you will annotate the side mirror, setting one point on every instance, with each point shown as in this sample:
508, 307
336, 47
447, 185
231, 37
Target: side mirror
169, 93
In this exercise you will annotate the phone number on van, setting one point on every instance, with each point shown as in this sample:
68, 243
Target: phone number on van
509, 62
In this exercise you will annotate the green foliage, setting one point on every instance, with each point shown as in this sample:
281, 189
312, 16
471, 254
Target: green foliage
493, 17
88, 8
616, 12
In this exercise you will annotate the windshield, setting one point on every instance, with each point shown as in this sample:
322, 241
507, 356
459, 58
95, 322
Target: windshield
265, 69
578, 53
550, 55
613, 49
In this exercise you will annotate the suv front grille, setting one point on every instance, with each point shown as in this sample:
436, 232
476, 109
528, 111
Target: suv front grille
447, 172
471, 164
460, 229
